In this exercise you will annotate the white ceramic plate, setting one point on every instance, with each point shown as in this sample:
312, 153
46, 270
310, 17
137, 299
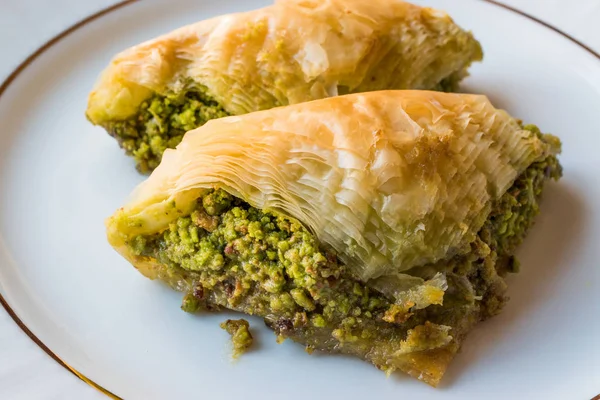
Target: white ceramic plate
60, 177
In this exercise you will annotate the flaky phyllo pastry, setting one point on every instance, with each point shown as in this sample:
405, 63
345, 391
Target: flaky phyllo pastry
290, 52
377, 224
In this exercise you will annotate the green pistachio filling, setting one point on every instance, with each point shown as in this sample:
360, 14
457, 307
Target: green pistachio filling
261, 263
161, 123
241, 338
451, 83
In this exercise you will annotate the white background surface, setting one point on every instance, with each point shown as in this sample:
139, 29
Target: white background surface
26, 372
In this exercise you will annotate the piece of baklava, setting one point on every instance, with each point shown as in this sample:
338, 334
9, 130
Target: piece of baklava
378, 224
290, 52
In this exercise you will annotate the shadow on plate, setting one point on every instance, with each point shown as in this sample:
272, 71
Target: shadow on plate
544, 254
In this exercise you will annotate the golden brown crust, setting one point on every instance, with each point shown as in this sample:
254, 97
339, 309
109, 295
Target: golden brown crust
290, 52
390, 180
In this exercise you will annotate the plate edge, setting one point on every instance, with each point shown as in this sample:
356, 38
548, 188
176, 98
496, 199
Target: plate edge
544, 23
55, 357
3, 87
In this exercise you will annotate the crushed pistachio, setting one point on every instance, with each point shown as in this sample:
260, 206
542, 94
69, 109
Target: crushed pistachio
161, 122
241, 338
